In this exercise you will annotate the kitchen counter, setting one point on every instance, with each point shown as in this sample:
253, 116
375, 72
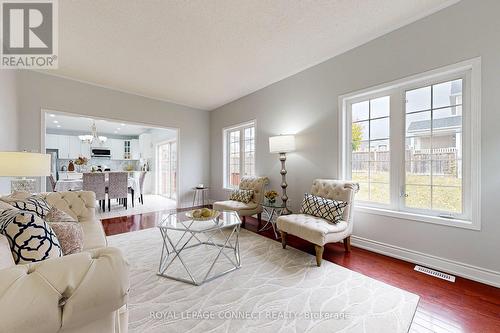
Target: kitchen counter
78, 175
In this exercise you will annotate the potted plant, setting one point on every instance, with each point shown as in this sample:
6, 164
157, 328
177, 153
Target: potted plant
271, 196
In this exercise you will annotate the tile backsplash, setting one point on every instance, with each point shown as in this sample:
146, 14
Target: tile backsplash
114, 165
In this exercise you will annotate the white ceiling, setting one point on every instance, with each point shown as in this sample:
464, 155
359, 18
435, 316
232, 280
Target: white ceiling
57, 122
206, 53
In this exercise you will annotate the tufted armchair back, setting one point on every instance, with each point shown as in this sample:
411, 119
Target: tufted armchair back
336, 190
79, 204
256, 184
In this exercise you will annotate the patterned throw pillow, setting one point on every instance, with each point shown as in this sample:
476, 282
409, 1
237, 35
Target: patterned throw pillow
244, 196
330, 210
33, 203
5, 206
70, 236
57, 215
31, 239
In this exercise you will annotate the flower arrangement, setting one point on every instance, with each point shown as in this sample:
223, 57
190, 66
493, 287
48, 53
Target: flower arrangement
271, 196
81, 160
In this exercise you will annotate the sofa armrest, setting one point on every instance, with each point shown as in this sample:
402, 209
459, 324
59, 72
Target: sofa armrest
64, 292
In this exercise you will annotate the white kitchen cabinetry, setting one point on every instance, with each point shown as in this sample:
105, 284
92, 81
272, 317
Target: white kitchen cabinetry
117, 149
74, 147
85, 149
63, 146
145, 146
135, 152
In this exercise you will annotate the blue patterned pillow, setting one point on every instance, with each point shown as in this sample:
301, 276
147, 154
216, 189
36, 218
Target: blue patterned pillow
31, 239
330, 210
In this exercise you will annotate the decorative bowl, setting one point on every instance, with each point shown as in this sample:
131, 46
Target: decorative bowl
215, 214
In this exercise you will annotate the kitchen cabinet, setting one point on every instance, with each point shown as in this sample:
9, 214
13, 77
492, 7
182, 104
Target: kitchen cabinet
74, 147
145, 146
117, 149
135, 152
63, 146
85, 149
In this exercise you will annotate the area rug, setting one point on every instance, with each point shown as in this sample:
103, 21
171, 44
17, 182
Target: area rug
275, 290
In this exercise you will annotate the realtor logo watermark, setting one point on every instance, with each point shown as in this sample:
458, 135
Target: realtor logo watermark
29, 34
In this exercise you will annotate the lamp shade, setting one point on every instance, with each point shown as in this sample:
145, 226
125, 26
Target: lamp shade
281, 143
16, 164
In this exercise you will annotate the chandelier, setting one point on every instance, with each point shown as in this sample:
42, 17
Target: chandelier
93, 137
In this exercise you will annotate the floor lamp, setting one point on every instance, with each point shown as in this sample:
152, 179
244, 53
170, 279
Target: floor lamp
282, 144
18, 164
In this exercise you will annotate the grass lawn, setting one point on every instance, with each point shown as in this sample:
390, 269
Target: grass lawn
444, 194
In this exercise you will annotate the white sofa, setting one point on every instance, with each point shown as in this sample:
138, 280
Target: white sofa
317, 230
82, 292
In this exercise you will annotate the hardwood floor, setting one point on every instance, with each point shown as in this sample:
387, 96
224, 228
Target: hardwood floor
463, 306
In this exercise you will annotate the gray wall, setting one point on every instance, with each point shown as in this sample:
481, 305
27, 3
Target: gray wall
307, 104
37, 91
8, 119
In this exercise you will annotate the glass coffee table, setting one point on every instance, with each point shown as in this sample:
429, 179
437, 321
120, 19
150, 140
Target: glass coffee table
196, 248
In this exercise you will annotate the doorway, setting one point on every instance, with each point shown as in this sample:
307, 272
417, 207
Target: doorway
166, 170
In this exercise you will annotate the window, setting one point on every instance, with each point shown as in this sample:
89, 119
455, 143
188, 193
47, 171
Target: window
239, 152
370, 148
414, 146
433, 149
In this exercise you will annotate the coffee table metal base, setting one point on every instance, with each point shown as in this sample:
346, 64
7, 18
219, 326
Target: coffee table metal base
172, 251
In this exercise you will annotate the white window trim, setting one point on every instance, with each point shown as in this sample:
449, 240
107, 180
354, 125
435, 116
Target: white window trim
225, 161
473, 126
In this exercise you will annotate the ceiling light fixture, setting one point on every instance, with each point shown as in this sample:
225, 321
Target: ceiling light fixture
93, 137
55, 121
52, 115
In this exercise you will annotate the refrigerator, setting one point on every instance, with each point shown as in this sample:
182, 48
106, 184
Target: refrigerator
54, 157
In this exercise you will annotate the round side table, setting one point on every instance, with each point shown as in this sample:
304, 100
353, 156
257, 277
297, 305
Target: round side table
271, 213
199, 194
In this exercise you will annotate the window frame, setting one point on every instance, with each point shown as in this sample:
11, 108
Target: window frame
226, 156
470, 72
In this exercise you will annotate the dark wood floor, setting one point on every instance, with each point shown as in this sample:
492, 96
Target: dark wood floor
463, 306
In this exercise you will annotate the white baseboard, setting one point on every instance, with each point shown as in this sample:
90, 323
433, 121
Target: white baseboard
467, 271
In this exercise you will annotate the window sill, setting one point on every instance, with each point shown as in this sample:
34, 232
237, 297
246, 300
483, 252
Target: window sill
419, 217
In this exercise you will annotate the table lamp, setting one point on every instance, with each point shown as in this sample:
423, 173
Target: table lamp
23, 164
282, 144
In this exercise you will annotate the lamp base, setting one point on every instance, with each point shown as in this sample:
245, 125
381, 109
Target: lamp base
24, 184
286, 211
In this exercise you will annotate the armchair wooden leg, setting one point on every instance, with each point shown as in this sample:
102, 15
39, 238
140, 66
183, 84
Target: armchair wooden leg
347, 244
259, 219
243, 220
283, 239
319, 254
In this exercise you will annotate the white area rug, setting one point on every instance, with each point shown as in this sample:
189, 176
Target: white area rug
275, 290
152, 203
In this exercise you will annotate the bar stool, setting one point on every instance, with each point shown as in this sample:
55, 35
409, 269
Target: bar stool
199, 193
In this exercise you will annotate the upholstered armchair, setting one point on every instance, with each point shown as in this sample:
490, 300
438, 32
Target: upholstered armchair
77, 293
317, 230
256, 184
